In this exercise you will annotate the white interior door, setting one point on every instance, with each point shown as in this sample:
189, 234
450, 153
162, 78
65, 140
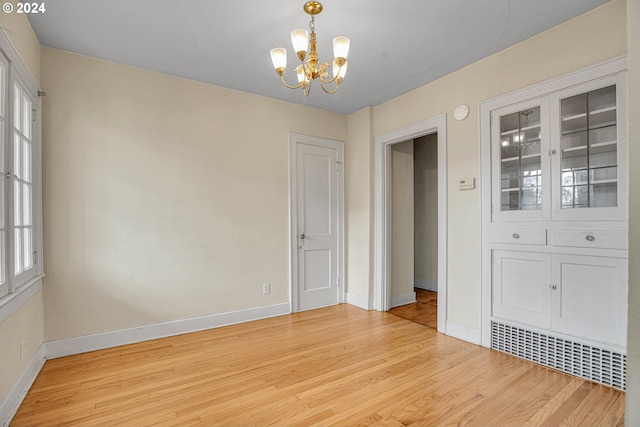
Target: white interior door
316, 222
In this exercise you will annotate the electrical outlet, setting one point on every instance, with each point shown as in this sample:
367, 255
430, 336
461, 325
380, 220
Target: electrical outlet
266, 288
23, 350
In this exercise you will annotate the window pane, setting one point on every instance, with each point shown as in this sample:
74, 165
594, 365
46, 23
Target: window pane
27, 205
17, 151
17, 95
26, 161
26, 116
27, 257
1, 143
3, 239
18, 250
2, 220
17, 203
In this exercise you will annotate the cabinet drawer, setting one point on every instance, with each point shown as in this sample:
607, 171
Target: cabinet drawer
520, 237
591, 239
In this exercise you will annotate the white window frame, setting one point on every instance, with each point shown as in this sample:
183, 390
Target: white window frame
22, 286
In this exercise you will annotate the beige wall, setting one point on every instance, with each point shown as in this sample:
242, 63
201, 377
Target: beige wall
359, 204
25, 324
632, 416
165, 198
588, 39
425, 152
402, 200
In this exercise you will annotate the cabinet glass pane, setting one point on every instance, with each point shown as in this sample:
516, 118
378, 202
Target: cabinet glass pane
520, 169
588, 146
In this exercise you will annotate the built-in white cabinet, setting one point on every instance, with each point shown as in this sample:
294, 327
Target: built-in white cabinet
577, 295
561, 156
555, 230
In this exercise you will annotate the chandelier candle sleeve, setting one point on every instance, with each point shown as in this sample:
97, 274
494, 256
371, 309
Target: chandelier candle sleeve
279, 58
300, 42
341, 47
310, 68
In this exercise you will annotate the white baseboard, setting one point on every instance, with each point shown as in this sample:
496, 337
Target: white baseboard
464, 333
67, 347
358, 301
10, 406
403, 299
427, 285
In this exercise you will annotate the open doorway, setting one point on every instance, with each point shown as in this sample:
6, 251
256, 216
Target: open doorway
414, 230
383, 213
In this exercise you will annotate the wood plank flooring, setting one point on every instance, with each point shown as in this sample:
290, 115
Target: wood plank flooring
423, 311
337, 366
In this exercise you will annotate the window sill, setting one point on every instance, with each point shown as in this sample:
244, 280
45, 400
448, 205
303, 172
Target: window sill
12, 302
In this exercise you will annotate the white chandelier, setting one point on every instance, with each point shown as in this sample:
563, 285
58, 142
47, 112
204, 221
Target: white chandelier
308, 70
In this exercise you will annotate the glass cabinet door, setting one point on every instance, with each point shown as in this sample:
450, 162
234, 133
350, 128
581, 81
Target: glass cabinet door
520, 160
589, 149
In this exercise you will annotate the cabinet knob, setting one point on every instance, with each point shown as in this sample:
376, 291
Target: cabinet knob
589, 238
516, 236
553, 287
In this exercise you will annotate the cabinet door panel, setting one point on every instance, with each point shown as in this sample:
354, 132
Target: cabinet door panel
589, 300
521, 286
588, 133
519, 143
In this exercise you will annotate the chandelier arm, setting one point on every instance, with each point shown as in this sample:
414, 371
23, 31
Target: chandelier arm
330, 92
288, 85
330, 80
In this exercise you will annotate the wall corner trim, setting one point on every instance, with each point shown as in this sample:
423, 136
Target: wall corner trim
83, 344
10, 405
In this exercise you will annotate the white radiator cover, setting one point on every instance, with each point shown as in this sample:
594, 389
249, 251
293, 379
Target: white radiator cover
585, 361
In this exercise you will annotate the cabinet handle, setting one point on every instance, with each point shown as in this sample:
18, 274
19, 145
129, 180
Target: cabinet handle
516, 236
553, 287
589, 238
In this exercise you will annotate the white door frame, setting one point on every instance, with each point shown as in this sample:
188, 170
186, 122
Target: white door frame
294, 140
382, 211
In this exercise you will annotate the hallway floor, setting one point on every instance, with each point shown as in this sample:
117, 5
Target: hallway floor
424, 311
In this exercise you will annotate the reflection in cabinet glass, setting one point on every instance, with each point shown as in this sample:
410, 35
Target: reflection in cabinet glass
589, 149
521, 168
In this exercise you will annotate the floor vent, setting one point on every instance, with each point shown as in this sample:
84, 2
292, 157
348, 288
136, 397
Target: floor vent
593, 363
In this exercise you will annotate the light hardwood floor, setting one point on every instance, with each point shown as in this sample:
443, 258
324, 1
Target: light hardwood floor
334, 366
423, 311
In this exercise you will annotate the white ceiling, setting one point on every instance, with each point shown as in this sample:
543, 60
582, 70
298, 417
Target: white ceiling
396, 46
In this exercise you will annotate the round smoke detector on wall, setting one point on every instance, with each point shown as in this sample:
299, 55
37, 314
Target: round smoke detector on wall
461, 112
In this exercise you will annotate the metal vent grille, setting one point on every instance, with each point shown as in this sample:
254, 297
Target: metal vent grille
592, 363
